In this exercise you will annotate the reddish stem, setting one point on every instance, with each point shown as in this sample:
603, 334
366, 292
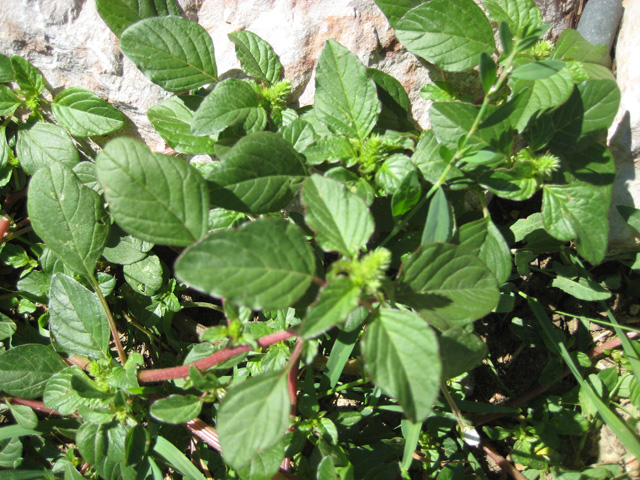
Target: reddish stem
204, 432
13, 197
5, 223
160, 374
502, 462
35, 404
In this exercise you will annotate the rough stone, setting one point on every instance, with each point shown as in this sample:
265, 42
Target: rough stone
625, 132
71, 45
599, 21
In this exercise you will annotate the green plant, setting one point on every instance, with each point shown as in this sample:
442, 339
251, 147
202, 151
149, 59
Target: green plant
329, 255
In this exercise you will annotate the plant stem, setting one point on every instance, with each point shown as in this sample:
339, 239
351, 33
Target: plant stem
110, 319
161, 374
211, 306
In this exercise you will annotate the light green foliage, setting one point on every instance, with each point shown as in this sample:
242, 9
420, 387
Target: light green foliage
316, 288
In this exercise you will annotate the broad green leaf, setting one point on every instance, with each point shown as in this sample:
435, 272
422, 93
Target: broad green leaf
85, 114
69, 217
6, 70
516, 13
337, 300
516, 183
124, 249
103, 447
265, 464
265, 264
488, 72
583, 288
571, 45
10, 453
460, 351
23, 415
395, 113
299, 133
394, 10
256, 57
340, 218
590, 109
631, 216
71, 388
76, 319
539, 96
594, 165
261, 173
173, 52
484, 239
578, 211
172, 120
253, 417
145, 276
538, 70
45, 144
119, 14
331, 149
429, 161
392, 172
345, 99
176, 408
25, 369
7, 327
448, 284
154, 197
8, 101
407, 195
440, 222
451, 35
28, 78
401, 354
451, 121
232, 103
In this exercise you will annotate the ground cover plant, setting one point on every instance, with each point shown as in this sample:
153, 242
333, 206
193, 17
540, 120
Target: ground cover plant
329, 296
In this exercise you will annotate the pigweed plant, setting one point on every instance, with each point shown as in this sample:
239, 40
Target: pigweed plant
309, 303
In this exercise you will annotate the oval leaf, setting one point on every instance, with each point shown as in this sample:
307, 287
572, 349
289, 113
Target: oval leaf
253, 417
76, 318
157, 198
119, 14
448, 284
337, 300
172, 120
176, 408
401, 355
256, 57
260, 174
26, 369
346, 99
451, 35
45, 144
69, 217
265, 264
460, 351
84, 114
173, 52
339, 217
232, 103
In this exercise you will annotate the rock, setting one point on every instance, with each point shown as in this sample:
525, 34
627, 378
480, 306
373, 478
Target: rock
599, 21
71, 45
625, 131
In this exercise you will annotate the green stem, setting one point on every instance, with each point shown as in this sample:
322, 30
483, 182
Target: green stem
459, 152
345, 386
110, 319
210, 306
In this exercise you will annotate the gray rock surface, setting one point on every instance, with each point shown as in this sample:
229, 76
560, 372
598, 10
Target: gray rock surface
625, 132
599, 21
71, 45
